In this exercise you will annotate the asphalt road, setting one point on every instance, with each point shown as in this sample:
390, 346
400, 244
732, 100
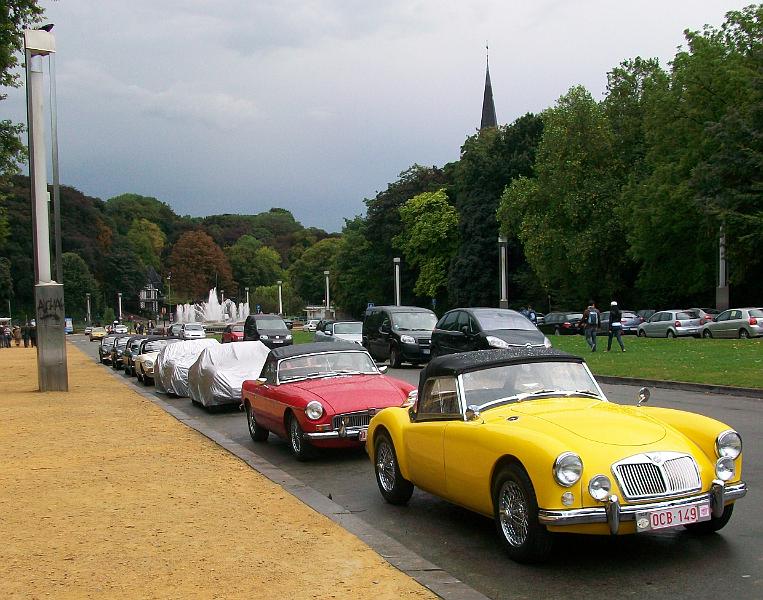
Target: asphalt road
668, 564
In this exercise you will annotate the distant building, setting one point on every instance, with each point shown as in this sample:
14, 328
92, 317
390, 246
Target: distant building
149, 294
488, 107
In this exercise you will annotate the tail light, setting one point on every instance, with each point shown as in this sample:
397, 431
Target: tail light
753, 321
565, 325
702, 321
677, 323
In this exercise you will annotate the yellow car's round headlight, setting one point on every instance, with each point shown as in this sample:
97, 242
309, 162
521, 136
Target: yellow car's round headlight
728, 444
599, 487
724, 468
568, 468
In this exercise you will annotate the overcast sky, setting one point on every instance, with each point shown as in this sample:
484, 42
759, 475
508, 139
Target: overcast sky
236, 106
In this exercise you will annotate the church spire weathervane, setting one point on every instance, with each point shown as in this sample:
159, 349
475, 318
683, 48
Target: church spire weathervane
488, 107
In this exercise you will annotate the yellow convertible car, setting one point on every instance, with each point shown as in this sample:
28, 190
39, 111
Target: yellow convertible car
527, 437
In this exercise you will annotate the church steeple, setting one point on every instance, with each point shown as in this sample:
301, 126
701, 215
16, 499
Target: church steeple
488, 107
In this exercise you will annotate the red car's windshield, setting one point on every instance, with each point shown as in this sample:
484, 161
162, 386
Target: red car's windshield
325, 364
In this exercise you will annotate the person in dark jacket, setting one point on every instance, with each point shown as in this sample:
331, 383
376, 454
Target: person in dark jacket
615, 326
591, 321
25, 334
33, 335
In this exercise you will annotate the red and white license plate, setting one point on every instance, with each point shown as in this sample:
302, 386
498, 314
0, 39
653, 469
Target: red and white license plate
362, 435
672, 517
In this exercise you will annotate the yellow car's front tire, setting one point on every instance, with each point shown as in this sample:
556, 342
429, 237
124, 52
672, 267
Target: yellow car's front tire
395, 488
714, 524
515, 510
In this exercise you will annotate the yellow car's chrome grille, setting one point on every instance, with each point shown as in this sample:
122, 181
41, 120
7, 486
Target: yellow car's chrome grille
657, 474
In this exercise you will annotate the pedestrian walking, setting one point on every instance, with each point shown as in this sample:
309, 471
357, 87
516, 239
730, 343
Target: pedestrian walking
615, 326
16, 336
531, 315
6, 336
33, 335
591, 322
25, 334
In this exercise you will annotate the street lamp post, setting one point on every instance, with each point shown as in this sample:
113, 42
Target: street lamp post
280, 297
722, 292
327, 314
52, 371
503, 250
169, 296
87, 297
119, 305
396, 262
246, 289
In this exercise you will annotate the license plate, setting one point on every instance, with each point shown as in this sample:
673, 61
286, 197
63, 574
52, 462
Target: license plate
362, 435
278, 341
672, 517
425, 350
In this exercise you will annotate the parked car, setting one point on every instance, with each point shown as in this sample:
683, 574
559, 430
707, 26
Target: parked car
145, 358
735, 323
233, 333
319, 396
289, 322
105, 348
120, 329
340, 331
117, 350
562, 323
216, 377
172, 364
399, 333
322, 324
529, 438
192, 331
628, 319
645, 313
87, 330
464, 329
129, 353
312, 324
670, 323
175, 330
706, 314
268, 329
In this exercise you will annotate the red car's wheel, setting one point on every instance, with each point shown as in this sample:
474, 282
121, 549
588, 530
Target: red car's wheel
300, 448
256, 431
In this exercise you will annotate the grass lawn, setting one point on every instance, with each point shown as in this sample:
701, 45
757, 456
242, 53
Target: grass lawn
720, 362
300, 337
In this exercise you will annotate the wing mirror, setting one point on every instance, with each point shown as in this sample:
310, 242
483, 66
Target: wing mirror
472, 412
643, 396
261, 381
465, 329
383, 368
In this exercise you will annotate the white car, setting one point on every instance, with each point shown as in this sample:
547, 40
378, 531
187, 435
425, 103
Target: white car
341, 331
120, 328
193, 331
312, 324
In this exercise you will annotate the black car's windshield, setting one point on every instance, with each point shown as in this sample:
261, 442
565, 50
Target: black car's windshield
271, 325
410, 321
514, 383
325, 364
348, 327
490, 320
122, 342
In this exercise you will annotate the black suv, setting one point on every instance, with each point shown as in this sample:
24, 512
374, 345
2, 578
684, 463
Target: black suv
271, 330
399, 333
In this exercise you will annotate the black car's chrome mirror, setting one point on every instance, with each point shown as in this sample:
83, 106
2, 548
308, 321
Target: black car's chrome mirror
472, 412
643, 396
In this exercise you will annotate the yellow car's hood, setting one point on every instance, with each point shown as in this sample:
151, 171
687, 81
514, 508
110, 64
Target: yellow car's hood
595, 420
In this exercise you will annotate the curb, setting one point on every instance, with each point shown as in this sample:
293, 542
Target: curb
682, 385
429, 575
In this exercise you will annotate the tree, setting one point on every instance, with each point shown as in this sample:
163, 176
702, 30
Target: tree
15, 16
147, 240
254, 264
357, 272
198, 264
6, 281
429, 239
306, 274
489, 161
267, 297
122, 271
564, 217
126, 208
78, 281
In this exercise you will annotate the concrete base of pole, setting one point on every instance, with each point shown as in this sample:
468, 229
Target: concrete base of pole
52, 372
722, 298
503, 304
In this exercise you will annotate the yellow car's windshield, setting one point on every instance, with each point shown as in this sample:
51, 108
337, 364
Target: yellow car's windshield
515, 383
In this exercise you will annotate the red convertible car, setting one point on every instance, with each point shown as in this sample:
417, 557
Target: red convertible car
319, 396
233, 333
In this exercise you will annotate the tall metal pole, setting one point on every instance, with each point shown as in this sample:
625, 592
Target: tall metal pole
328, 299
722, 300
54, 162
52, 371
396, 262
502, 268
89, 321
280, 297
247, 295
119, 302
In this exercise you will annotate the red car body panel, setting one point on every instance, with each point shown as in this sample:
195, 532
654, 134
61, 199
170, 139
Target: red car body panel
338, 395
233, 336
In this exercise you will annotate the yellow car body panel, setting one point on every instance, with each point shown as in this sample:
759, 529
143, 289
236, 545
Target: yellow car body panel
457, 459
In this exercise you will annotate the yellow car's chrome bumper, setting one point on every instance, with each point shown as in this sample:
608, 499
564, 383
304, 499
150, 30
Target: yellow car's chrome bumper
613, 513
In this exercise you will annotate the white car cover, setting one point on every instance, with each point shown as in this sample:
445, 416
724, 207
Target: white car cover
217, 375
171, 368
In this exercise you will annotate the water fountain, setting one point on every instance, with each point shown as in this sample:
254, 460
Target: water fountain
212, 311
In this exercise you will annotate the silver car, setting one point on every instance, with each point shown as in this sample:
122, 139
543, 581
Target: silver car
670, 323
735, 323
192, 331
341, 331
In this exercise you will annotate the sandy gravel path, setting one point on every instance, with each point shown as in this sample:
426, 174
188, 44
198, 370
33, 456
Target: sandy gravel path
104, 495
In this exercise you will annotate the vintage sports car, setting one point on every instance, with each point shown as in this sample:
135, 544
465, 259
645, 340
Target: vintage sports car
173, 362
527, 437
319, 395
145, 357
215, 379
